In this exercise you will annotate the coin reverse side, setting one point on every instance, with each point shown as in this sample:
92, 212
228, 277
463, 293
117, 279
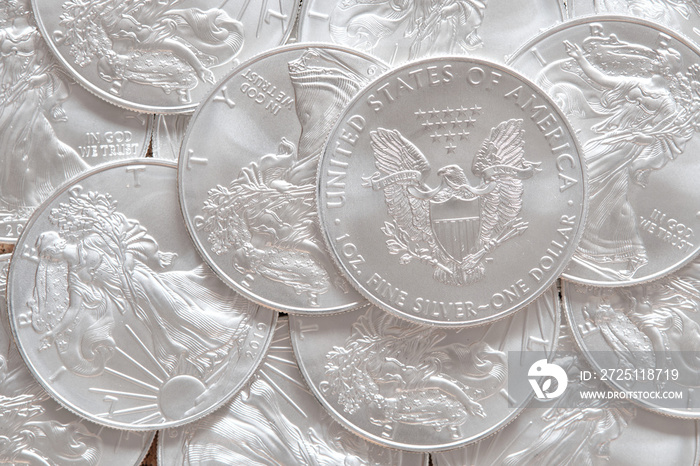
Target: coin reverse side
416, 387
452, 191
115, 313
247, 175
274, 420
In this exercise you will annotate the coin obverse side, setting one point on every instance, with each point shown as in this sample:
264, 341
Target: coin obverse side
569, 430
274, 420
115, 313
247, 175
37, 430
159, 56
51, 129
640, 330
416, 387
451, 192
401, 31
630, 89
682, 16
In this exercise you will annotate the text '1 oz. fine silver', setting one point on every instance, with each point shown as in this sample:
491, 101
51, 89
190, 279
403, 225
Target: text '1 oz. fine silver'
631, 90
115, 313
452, 191
247, 175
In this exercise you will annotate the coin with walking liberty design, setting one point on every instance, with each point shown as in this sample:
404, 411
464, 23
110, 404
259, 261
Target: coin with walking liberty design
115, 313
159, 56
51, 129
416, 387
36, 430
644, 337
247, 175
680, 15
398, 31
432, 186
275, 420
572, 430
631, 89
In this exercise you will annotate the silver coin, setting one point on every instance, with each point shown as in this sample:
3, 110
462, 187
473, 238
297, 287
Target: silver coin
416, 387
573, 431
680, 15
51, 129
275, 420
36, 430
114, 312
247, 175
168, 134
642, 328
159, 56
629, 88
431, 192
398, 31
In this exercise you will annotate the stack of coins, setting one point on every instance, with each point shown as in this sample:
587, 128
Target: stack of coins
345, 233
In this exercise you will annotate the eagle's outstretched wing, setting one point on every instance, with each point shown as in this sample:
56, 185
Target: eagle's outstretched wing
394, 153
498, 161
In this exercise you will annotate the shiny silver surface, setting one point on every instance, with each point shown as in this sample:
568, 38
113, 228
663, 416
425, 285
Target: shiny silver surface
159, 56
37, 431
51, 129
416, 387
654, 326
114, 312
398, 31
630, 89
274, 420
431, 192
168, 134
247, 175
572, 431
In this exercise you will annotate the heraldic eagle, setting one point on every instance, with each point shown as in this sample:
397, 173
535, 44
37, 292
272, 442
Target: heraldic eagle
501, 166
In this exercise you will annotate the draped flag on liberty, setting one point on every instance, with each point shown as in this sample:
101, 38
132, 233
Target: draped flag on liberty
456, 225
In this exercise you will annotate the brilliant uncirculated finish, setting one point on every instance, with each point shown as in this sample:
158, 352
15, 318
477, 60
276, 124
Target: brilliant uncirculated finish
401, 30
247, 175
631, 89
654, 326
572, 431
159, 56
114, 312
275, 420
416, 387
51, 129
168, 134
452, 192
36, 430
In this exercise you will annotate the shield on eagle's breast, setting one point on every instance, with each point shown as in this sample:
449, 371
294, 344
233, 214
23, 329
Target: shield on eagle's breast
456, 225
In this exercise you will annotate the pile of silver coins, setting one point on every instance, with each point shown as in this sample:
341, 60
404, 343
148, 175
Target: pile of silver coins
349, 232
